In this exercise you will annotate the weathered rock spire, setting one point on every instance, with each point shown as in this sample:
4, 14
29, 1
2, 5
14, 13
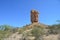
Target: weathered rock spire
34, 16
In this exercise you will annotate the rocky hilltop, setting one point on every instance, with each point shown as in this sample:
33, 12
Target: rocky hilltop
36, 30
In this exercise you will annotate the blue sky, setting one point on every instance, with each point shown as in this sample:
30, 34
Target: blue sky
17, 12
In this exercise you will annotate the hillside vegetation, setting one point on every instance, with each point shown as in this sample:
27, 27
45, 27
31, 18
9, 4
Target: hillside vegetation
6, 31
35, 31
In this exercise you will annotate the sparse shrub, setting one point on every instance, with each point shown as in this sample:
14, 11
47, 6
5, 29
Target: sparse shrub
20, 31
4, 31
37, 32
54, 29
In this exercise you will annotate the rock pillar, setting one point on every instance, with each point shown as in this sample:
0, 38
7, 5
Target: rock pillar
34, 16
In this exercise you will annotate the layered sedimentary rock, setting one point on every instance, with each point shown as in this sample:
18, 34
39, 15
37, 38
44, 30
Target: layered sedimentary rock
34, 16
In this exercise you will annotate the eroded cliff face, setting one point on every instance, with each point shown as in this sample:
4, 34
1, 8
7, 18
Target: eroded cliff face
34, 16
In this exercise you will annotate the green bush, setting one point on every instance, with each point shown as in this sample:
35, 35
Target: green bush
5, 31
37, 32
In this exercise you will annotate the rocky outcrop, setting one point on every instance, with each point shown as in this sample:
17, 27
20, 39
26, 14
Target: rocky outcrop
34, 16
